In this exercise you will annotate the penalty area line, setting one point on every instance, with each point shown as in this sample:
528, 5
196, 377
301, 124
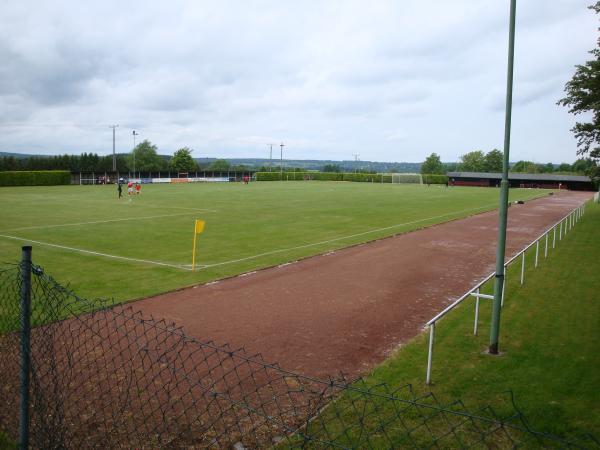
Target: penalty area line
90, 252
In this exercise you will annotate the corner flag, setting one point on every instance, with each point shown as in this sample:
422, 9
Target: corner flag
198, 228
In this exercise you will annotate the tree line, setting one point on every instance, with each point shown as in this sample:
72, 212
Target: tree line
478, 161
144, 158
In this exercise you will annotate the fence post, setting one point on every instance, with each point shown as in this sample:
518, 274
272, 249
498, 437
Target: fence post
25, 346
554, 238
569, 221
546, 247
430, 354
476, 313
537, 251
560, 231
522, 268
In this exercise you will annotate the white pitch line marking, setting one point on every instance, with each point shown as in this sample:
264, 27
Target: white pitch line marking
90, 252
93, 222
342, 238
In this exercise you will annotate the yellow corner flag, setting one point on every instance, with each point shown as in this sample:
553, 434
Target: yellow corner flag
198, 228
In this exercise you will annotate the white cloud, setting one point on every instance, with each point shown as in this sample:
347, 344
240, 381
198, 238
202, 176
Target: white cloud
390, 80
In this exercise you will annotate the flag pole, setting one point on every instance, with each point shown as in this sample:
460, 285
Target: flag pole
194, 250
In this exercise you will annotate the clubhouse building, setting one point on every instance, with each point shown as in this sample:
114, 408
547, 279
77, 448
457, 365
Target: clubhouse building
522, 180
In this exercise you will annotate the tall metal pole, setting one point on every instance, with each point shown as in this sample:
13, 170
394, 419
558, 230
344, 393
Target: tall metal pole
114, 155
356, 155
271, 158
503, 210
25, 346
134, 135
281, 162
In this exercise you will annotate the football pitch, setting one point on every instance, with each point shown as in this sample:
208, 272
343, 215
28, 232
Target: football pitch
128, 248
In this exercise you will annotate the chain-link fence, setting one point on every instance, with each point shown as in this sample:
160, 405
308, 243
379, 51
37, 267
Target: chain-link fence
104, 376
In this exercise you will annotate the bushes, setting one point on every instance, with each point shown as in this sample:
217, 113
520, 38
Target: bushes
35, 178
435, 179
323, 176
356, 177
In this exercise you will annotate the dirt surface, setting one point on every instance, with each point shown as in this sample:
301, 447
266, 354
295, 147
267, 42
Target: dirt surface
346, 311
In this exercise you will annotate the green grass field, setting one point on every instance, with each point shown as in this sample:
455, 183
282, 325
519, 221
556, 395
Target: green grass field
549, 339
247, 227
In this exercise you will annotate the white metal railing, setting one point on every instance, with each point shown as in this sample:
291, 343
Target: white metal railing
564, 225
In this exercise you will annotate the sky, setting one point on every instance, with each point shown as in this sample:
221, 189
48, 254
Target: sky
387, 80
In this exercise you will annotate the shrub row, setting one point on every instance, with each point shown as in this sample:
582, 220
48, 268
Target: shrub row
358, 177
35, 178
322, 176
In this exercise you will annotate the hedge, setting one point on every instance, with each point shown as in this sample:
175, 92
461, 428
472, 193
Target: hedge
357, 177
435, 179
35, 178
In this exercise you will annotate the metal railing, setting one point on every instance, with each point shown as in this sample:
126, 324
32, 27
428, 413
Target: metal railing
564, 225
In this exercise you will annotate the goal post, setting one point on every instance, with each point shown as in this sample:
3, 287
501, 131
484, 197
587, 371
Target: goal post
407, 178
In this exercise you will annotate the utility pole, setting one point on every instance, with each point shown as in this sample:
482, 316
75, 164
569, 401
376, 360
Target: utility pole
114, 155
281, 162
134, 135
270, 158
503, 211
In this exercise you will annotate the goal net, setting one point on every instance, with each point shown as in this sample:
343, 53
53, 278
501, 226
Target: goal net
407, 178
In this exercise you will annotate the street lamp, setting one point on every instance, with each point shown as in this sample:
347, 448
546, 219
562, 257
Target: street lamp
134, 135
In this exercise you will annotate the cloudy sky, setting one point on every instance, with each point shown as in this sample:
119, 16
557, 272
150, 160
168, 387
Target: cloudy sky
389, 80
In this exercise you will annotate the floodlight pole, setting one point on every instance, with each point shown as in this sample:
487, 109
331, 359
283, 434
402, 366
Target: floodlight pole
503, 210
114, 155
134, 135
271, 157
281, 162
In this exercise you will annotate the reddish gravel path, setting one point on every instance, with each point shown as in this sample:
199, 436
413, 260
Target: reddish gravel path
347, 310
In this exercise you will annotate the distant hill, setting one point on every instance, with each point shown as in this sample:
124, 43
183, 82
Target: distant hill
316, 164
16, 155
306, 164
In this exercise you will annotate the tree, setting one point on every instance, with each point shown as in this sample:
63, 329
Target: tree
565, 167
432, 165
583, 96
493, 161
331, 168
472, 162
182, 161
549, 168
146, 158
219, 165
522, 167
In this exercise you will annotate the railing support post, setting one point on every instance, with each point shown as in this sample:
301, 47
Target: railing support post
570, 222
476, 313
554, 238
25, 346
522, 268
537, 251
560, 230
503, 287
430, 354
546, 247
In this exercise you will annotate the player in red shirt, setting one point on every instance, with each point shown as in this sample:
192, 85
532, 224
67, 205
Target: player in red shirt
138, 186
129, 188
